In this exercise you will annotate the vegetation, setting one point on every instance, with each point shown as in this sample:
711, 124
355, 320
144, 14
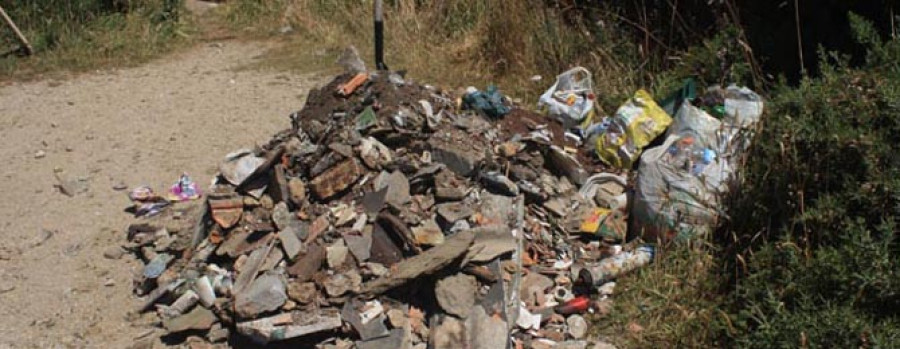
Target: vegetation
86, 34
809, 255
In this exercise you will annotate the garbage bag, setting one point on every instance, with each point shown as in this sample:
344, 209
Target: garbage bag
489, 102
571, 98
634, 126
681, 183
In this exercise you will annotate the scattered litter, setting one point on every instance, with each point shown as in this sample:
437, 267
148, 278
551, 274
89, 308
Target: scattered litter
392, 214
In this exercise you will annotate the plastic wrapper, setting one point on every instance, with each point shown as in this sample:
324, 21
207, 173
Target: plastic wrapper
635, 125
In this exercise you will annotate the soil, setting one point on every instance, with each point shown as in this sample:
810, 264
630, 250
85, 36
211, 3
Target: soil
108, 132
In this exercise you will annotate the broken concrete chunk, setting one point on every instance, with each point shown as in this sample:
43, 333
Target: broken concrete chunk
397, 187
339, 284
302, 292
290, 243
456, 294
251, 267
425, 263
336, 179
266, 293
289, 325
297, 190
395, 339
451, 334
497, 210
337, 254
308, 264
384, 251
534, 285
198, 319
490, 243
577, 326
485, 331
367, 330
459, 156
454, 211
428, 234
360, 245
500, 184
449, 194
239, 165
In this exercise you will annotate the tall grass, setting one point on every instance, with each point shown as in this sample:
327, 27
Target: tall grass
450, 43
84, 34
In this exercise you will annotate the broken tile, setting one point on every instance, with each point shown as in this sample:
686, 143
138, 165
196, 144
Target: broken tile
336, 179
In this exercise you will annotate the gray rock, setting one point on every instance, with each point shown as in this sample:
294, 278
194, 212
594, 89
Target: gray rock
367, 331
497, 209
394, 340
339, 284
490, 243
534, 284
429, 233
282, 216
454, 211
290, 242
336, 254
426, 263
266, 293
360, 245
397, 187
456, 294
217, 333
459, 157
449, 194
485, 332
350, 61
397, 318
302, 292
113, 252
198, 319
500, 184
450, 334
577, 326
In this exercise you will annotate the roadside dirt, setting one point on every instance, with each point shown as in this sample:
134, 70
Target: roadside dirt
131, 127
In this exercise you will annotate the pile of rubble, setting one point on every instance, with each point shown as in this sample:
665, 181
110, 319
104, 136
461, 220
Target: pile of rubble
395, 215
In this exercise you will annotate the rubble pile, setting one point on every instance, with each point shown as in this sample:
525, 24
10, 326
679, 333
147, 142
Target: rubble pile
396, 215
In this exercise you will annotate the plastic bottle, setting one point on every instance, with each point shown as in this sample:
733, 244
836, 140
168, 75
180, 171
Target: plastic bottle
610, 268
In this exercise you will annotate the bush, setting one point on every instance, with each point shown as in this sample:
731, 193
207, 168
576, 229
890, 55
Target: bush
816, 220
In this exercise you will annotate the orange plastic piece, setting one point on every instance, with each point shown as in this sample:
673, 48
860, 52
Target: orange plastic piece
348, 87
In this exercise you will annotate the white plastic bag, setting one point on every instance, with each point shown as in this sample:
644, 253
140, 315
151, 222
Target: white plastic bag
570, 99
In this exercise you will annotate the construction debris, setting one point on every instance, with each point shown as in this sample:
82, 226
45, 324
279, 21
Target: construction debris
397, 215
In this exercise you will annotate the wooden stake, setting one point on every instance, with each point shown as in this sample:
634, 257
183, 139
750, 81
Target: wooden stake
22, 39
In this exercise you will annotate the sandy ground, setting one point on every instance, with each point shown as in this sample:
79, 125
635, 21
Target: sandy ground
129, 127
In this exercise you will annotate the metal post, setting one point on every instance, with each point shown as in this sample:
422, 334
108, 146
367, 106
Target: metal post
379, 37
25, 45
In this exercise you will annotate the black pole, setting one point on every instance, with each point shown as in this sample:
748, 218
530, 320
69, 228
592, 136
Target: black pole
379, 37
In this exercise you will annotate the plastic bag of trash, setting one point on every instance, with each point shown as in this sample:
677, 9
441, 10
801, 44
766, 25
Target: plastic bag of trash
489, 102
571, 98
681, 183
636, 124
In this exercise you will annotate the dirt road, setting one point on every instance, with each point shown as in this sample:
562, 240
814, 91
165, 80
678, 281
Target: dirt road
128, 127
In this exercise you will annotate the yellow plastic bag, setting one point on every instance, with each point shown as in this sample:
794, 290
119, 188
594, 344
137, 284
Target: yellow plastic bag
635, 125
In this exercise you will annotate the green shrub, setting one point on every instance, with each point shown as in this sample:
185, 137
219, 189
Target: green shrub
815, 249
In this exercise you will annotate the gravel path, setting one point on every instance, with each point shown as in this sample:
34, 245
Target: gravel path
130, 127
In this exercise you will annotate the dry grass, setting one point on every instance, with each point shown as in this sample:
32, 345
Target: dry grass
448, 43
